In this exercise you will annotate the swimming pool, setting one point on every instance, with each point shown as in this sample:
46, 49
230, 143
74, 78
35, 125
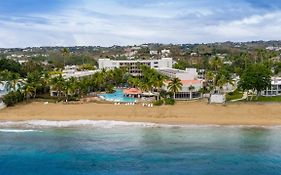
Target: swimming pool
117, 96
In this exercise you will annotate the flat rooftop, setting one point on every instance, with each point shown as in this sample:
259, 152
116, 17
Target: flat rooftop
172, 71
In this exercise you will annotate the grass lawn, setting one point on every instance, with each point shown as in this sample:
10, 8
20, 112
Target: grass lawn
234, 95
267, 99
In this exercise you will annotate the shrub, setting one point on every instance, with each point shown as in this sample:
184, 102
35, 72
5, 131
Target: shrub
158, 102
169, 101
72, 98
12, 98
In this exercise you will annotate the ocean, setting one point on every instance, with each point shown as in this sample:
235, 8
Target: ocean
117, 148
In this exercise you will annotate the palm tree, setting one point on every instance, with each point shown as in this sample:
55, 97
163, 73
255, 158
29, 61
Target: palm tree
64, 53
135, 82
175, 86
58, 83
158, 84
35, 80
98, 80
28, 90
71, 86
216, 63
191, 89
45, 81
12, 81
144, 86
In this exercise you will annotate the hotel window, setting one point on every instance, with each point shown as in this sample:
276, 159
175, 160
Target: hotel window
155, 62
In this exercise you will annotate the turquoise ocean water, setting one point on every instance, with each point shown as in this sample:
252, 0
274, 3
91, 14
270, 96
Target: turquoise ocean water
89, 147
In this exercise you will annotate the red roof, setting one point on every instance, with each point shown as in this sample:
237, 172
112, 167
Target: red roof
189, 82
132, 91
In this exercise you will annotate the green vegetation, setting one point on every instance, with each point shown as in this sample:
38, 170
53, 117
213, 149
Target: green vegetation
10, 65
234, 95
181, 64
86, 67
268, 99
149, 80
223, 62
13, 98
256, 77
175, 86
169, 101
158, 103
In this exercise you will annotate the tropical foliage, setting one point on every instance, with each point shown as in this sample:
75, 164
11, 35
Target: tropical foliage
255, 78
175, 86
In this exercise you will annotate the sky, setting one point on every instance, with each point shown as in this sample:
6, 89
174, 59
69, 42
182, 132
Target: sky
34, 23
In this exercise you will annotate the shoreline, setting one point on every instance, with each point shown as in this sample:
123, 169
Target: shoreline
183, 113
35, 124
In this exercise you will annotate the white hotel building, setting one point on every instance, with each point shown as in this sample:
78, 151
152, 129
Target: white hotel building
134, 65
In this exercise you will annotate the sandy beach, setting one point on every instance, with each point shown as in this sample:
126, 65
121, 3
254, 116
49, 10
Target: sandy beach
182, 113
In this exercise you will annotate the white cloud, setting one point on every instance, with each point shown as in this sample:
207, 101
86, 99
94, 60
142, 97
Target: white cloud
109, 23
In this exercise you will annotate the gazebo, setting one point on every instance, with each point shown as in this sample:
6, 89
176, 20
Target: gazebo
132, 92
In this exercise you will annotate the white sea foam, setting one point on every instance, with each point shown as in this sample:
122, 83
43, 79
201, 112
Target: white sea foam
74, 123
18, 130
111, 124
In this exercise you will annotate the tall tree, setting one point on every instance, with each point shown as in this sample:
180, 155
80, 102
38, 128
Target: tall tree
175, 86
58, 84
191, 89
13, 81
64, 52
257, 78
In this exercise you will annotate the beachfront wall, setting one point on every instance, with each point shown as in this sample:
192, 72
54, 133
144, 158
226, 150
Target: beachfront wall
217, 99
2, 104
275, 89
187, 93
134, 65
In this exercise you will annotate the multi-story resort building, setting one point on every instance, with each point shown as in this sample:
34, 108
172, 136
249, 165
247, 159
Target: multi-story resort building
275, 89
134, 65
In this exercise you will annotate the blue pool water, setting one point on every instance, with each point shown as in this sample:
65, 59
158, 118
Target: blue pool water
108, 149
118, 96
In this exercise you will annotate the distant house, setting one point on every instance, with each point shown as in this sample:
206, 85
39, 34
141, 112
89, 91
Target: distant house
153, 52
165, 53
275, 89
